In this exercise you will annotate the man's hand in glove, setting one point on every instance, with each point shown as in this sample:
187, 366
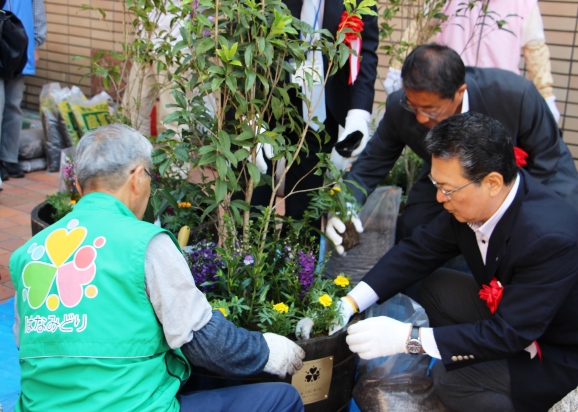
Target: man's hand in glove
392, 82
335, 226
355, 135
285, 356
260, 162
379, 336
261, 149
346, 311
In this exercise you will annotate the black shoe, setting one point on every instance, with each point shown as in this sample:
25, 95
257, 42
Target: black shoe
3, 173
13, 169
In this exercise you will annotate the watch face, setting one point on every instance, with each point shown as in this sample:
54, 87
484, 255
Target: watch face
413, 346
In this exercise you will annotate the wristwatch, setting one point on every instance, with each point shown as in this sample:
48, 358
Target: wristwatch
413, 344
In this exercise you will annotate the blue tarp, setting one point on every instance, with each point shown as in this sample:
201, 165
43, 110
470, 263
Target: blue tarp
9, 367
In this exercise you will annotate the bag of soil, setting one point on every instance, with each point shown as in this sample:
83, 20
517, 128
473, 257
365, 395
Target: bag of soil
31, 144
32, 165
56, 139
398, 383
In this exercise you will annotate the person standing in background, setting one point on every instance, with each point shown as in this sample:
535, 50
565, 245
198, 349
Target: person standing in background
33, 17
343, 103
476, 35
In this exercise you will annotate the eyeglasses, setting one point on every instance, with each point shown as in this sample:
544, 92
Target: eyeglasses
445, 192
145, 170
430, 115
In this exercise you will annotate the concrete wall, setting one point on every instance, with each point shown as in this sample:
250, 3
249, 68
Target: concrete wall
72, 32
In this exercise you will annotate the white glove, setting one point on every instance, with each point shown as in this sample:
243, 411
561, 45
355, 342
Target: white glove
553, 108
356, 120
285, 356
260, 161
379, 336
266, 148
392, 82
346, 311
335, 226
303, 328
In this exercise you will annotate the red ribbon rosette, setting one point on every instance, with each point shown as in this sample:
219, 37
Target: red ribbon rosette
492, 294
353, 40
520, 155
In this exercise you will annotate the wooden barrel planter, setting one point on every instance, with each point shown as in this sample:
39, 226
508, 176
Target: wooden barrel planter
325, 382
41, 217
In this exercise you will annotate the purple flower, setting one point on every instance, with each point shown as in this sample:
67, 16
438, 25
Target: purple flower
68, 176
248, 260
204, 263
194, 7
306, 266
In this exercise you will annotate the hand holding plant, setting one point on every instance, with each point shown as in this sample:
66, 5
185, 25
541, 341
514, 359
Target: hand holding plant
336, 198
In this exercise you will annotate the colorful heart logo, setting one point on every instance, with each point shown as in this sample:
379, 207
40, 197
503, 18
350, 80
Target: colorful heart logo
61, 244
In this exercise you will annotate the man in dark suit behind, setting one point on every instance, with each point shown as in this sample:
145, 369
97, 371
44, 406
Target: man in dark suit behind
436, 86
519, 350
348, 105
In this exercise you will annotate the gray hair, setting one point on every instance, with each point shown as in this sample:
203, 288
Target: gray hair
109, 153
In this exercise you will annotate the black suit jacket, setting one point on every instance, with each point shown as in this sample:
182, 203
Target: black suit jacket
533, 252
502, 95
340, 97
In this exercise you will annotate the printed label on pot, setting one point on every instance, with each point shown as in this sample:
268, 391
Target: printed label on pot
313, 380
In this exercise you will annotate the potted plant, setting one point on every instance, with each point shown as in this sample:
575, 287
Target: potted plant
228, 69
58, 204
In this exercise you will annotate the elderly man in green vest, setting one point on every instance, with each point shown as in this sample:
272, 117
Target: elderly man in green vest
105, 303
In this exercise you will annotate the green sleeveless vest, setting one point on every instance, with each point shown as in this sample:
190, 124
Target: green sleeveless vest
89, 337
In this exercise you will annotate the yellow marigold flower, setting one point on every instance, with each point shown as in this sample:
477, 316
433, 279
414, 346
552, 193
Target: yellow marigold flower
72, 201
341, 281
337, 188
325, 300
281, 307
223, 311
183, 205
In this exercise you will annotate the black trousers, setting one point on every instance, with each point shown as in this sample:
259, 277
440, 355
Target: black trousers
300, 176
450, 297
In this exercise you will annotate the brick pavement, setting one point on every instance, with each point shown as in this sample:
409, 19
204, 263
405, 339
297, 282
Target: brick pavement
17, 200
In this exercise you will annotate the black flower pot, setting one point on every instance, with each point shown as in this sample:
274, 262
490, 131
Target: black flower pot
41, 217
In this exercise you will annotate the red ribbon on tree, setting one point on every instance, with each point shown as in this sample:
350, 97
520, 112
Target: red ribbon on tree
353, 40
520, 155
492, 294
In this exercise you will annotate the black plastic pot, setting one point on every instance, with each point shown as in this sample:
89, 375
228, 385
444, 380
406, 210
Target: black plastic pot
41, 217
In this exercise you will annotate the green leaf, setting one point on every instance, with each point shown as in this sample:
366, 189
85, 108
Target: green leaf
221, 166
203, 150
216, 70
250, 79
216, 83
170, 198
254, 172
204, 46
231, 83
232, 51
207, 159
220, 189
